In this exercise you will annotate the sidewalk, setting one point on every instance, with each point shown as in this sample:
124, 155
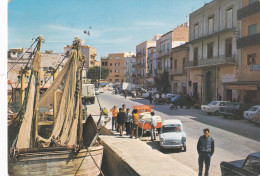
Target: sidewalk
143, 159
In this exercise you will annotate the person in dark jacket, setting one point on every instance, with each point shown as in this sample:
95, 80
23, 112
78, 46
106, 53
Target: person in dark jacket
205, 148
121, 120
150, 97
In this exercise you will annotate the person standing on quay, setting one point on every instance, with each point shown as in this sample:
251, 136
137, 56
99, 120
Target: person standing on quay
135, 118
205, 148
114, 115
127, 122
153, 126
121, 120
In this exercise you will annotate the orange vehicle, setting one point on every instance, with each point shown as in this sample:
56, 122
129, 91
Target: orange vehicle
146, 108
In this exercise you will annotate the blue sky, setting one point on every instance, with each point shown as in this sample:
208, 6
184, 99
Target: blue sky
116, 25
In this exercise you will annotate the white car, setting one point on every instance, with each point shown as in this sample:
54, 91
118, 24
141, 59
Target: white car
213, 107
250, 112
101, 90
172, 135
110, 89
146, 95
97, 91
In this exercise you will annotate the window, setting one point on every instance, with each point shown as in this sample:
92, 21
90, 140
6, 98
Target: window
183, 63
253, 165
175, 63
211, 25
175, 87
110, 71
252, 29
116, 75
116, 80
210, 50
228, 47
229, 18
116, 71
252, 1
195, 56
117, 58
143, 50
110, 79
251, 59
196, 31
110, 64
116, 64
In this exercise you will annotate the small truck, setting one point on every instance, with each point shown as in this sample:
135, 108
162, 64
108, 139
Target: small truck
88, 94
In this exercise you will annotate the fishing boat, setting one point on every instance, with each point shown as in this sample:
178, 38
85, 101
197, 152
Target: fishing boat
48, 137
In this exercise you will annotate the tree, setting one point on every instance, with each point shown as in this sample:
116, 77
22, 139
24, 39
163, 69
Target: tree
162, 82
94, 73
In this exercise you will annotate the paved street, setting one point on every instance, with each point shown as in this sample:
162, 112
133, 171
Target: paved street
234, 139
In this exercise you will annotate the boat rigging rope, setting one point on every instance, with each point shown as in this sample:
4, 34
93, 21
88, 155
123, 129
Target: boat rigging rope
66, 55
92, 159
23, 55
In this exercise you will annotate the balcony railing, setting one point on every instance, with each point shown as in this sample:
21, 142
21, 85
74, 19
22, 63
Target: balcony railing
212, 61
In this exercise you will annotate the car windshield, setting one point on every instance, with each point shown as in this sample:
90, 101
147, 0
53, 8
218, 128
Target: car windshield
253, 109
253, 165
213, 103
171, 128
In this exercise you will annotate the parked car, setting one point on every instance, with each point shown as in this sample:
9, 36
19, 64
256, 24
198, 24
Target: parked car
213, 107
250, 112
146, 95
169, 96
256, 117
101, 90
233, 109
110, 89
97, 91
249, 166
172, 135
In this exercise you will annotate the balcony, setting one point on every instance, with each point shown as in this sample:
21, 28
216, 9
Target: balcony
140, 54
222, 60
248, 10
164, 53
248, 41
140, 65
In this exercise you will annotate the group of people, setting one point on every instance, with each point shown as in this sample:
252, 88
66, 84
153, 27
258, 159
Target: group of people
122, 120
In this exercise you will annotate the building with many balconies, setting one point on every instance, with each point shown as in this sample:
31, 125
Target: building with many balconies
213, 58
248, 84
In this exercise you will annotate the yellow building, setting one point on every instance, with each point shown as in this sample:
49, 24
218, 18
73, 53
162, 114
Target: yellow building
249, 43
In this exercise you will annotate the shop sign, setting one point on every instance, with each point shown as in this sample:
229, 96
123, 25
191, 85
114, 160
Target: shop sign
255, 68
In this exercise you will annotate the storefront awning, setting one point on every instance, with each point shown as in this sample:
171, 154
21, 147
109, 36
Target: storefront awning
241, 87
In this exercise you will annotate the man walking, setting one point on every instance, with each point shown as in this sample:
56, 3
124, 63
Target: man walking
150, 97
135, 118
153, 126
205, 148
121, 120
114, 115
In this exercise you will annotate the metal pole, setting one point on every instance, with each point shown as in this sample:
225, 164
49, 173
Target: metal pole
54, 100
22, 86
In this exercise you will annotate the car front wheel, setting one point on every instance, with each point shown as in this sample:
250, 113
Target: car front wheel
185, 149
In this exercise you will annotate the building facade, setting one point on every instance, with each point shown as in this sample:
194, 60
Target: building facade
152, 65
129, 71
248, 84
141, 62
116, 66
213, 56
178, 74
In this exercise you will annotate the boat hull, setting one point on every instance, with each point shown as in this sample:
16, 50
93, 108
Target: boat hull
57, 163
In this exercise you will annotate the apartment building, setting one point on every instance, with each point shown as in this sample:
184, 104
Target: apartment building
129, 70
141, 61
152, 65
248, 84
213, 56
116, 66
164, 45
178, 74
90, 54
